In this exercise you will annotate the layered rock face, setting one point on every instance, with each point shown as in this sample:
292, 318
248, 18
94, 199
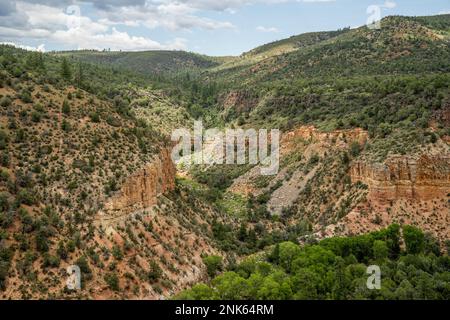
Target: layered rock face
307, 132
336, 138
423, 177
142, 189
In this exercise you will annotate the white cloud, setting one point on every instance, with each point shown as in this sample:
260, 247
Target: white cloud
316, 0
267, 29
115, 40
390, 4
168, 15
58, 21
444, 12
81, 32
40, 48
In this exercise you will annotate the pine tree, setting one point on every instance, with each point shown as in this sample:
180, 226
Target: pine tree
66, 107
41, 60
66, 71
79, 75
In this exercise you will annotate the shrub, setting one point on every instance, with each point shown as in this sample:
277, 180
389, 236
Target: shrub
155, 271
25, 197
4, 203
65, 126
94, 117
3, 139
213, 264
81, 262
113, 281
36, 116
355, 149
50, 261
62, 251
25, 96
42, 242
117, 252
5, 102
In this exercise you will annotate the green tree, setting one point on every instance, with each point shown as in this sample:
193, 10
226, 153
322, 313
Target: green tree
66, 71
117, 252
198, 292
274, 256
79, 76
242, 234
341, 285
414, 239
65, 126
231, 286
213, 264
288, 253
42, 242
65, 107
380, 250
62, 251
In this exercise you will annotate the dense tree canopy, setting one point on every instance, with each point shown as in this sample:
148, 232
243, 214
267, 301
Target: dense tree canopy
336, 268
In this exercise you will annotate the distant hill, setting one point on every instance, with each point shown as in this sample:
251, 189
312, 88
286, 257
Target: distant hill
403, 45
293, 43
147, 62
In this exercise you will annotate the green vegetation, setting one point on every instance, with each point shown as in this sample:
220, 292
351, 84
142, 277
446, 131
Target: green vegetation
158, 63
78, 124
336, 268
213, 264
113, 281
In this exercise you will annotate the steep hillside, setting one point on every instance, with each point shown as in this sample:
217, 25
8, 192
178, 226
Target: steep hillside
86, 175
273, 49
403, 45
85, 181
377, 99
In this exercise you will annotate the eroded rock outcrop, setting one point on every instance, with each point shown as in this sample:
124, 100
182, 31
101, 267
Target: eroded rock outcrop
336, 138
308, 132
142, 189
421, 177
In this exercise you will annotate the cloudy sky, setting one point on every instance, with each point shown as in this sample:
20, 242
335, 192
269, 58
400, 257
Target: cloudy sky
214, 27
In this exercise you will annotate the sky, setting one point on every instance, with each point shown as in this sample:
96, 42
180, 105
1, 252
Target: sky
212, 27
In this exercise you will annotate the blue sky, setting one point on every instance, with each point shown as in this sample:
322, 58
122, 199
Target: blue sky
225, 27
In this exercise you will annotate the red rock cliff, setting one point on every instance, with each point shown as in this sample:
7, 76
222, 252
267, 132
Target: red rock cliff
141, 190
422, 177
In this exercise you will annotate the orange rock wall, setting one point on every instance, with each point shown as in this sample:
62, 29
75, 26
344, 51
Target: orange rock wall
420, 178
141, 190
